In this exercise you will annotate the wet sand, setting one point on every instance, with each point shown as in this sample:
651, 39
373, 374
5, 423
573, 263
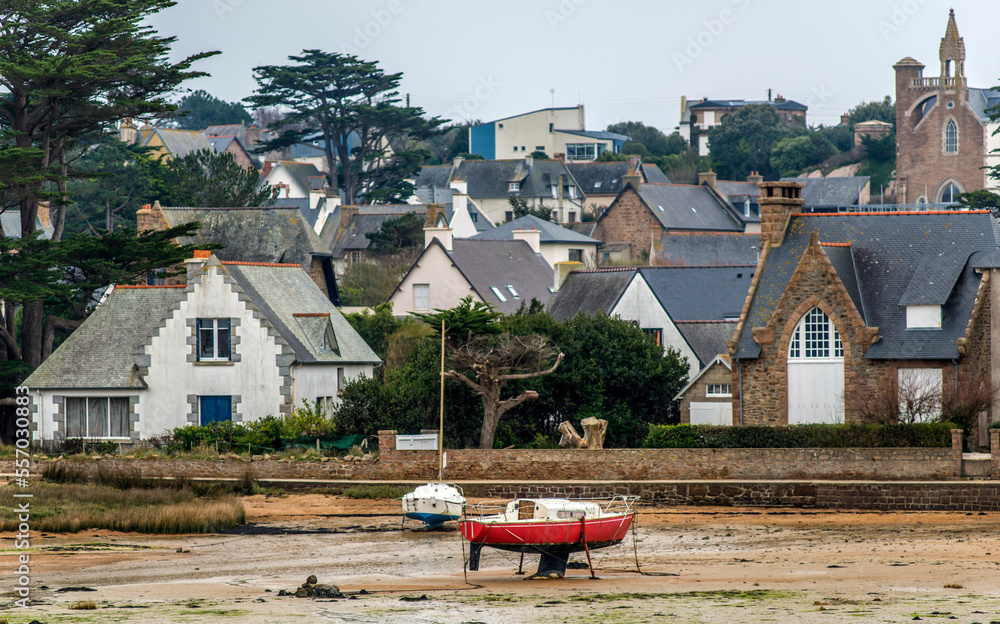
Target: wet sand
702, 565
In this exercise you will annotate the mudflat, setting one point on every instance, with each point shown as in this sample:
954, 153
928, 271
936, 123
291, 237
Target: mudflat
698, 564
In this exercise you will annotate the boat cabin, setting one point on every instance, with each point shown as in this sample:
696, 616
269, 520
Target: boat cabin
550, 509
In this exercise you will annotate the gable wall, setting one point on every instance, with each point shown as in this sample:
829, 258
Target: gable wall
628, 220
253, 378
638, 303
765, 380
716, 374
447, 285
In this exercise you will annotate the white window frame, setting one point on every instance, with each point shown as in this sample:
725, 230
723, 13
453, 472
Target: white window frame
812, 342
950, 137
499, 295
421, 296
220, 335
923, 317
510, 287
355, 257
513, 187
84, 425
718, 390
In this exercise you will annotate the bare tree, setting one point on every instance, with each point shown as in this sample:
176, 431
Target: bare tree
494, 361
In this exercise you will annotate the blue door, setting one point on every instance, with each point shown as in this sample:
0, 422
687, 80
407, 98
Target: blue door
215, 408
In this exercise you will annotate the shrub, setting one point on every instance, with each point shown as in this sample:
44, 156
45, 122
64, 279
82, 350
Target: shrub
801, 436
309, 420
375, 491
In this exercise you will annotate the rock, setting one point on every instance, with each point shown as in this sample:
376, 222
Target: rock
312, 580
245, 460
267, 456
324, 459
282, 592
302, 592
257, 458
74, 589
108, 456
328, 591
366, 457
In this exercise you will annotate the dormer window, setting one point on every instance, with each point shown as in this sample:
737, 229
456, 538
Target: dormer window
513, 187
746, 208
923, 317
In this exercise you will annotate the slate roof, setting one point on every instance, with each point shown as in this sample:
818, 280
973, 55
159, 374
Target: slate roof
301, 174
339, 240
102, 352
221, 143
179, 143
252, 234
589, 292
550, 232
301, 313
707, 340
10, 224
895, 257
708, 248
488, 263
237, 130
685, 207
607, 178
981, 100
596, 134
699, 293
783, 105
491, 178
818, 192
736, 193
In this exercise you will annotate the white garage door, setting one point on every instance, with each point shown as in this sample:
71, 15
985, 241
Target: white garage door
815, 371
717, 413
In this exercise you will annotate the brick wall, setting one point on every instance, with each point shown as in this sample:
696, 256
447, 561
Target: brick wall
922, 165
628, 220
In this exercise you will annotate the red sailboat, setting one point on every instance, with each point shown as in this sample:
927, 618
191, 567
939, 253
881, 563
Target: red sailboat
550, 527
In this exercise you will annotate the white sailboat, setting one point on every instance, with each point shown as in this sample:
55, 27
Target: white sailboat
436, 503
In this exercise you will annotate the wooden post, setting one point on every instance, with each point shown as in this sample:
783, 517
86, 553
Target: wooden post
441, 424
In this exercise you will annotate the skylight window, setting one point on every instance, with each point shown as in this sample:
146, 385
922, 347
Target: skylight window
512, 291
496, 291
597, 185
660, 207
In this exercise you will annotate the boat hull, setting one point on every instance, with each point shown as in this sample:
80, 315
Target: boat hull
552, 536
433, 504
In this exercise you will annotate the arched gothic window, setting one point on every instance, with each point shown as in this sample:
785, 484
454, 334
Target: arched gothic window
815, 337
950, 194
951, 137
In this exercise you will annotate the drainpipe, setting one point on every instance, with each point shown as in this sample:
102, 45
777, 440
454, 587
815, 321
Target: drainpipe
740, 364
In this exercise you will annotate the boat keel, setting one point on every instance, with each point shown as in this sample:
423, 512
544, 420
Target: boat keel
551, 566
474, 551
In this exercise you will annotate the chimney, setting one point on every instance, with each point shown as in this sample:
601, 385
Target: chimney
707, 177
632, 179
346, 214
633, 164
150, 218
755, 178
332, 198
443, 234
533, 237
778, 202
433, 211
845, 118
268, 165
529, 161
562, 271
778, 99
253, 136
127, 132
456, 162
459, 202
196, 263
560, 156
460, 186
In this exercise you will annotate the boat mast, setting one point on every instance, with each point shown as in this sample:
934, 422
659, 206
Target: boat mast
441, 425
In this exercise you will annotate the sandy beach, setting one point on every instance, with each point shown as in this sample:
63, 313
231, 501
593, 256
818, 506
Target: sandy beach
698, 564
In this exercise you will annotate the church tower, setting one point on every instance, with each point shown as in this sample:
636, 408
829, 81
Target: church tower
940, 136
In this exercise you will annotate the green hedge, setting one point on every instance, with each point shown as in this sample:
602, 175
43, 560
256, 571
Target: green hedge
801, 436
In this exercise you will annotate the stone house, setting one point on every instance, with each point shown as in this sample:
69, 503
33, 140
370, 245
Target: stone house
708, 397
643, 213
944, 135
602, 181
862, 308
240, 341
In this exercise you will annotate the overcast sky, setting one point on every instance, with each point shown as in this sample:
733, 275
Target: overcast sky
622, 60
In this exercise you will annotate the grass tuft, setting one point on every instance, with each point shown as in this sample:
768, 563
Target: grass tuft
84, 605
375, 491
73, 508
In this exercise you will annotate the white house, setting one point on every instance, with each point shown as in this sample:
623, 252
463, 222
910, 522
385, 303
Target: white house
239, 342
554, 242
690, 309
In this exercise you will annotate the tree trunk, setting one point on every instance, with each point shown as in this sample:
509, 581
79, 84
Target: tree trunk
31, 333
491, 418
9, 312
57, 212
51, 325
